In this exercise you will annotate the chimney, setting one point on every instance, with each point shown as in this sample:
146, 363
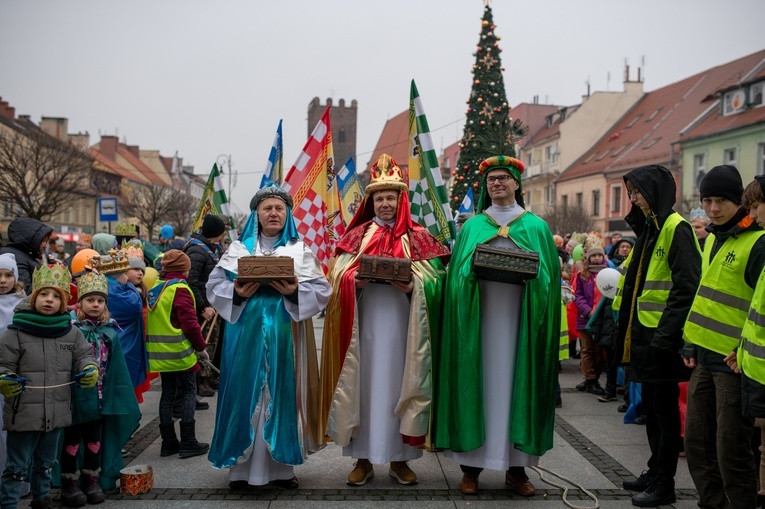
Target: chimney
638, 74
108, 146
80, 140
133, 149
6, 110
56, 127
626, 72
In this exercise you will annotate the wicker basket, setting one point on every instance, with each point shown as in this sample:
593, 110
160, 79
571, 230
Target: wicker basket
506, 265
264, 269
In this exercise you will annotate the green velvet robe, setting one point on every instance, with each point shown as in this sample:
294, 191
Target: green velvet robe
458, 402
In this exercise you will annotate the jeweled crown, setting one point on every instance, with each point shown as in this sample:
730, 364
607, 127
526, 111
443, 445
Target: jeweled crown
92, 282
386, 174
125, 230
115, 261
133, 248
55, 276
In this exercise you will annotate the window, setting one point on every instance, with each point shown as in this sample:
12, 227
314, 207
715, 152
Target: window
761, 159
550, 193
633, 121
604, 154
554, 154
528, 159
651, 143
579, 200
589, 158
653, 115
699, 169
341, 135
755, 94
734, 101
620, 150
730, 156
564, 201
616, 199
596, 202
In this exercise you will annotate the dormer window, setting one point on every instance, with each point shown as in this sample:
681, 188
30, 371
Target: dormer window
653, 115
756, 94
734, 101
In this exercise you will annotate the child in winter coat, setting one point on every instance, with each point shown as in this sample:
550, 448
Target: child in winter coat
39, 352
173, 334
102, 419
587, 296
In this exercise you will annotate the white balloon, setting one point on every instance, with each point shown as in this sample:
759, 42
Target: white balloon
607, 280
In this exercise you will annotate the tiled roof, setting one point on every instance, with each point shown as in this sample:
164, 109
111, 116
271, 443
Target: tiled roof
139, 165
715, 122
534, 116
645, 134
130, 174
394, 141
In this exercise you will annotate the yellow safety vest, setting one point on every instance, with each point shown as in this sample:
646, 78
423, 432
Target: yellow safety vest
166, 346
658, 279
620, 285
723, 298
751, 351
563, 354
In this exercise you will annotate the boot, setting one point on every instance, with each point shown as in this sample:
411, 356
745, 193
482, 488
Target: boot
71, 496
659, 492
92, 487
204, 389
170, 443
189, 445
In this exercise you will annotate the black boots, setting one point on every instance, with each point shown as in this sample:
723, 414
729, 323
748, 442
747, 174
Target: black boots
71, 495
91, 487
170, 443
659, 492
189, 445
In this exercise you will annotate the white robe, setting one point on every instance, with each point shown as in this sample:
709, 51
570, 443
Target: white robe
500, 309
259, 467
383, 324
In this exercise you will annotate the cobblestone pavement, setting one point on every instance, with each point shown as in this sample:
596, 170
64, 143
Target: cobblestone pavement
592, 447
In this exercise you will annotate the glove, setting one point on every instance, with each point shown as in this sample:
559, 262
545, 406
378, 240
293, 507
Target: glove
87, 378
203, 356
12, 385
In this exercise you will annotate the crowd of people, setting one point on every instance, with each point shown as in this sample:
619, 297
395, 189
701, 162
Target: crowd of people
461, 354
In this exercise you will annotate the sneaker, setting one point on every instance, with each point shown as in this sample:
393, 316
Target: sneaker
605, 398
581, 387
641, 483
362, 472
640, 420
593, 387
403, 474
659, 492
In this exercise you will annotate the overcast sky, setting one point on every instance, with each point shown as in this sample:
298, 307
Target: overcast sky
206, 78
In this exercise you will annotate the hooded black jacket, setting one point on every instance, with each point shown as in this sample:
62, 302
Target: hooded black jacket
25, 235
201, 266
655, 352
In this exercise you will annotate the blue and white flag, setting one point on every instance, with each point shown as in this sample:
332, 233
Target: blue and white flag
275, 168
349, 186
467, 204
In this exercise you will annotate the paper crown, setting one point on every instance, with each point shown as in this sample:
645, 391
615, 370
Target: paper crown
125, 230
90, 283
133, 248
53, 276
593, 244
698, 214
386, 174
115, 261
496, 162
578, 238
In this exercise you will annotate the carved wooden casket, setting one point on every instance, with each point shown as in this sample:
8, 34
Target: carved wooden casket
264, 269
506, 265
385, 269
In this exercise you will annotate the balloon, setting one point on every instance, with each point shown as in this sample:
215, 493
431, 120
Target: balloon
150, 277
81, 259
607, 279
578, 253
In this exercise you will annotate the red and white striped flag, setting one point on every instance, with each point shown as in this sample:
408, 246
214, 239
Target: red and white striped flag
312, 184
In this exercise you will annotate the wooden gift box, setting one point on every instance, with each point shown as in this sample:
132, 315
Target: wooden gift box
506, 265
385, 269
264, 269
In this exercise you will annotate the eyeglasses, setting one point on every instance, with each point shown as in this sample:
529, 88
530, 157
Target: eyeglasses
632, 192
498, 178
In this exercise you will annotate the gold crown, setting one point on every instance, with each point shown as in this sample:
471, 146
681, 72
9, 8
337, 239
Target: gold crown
133, 248
115, 261
92, 282
125, 230
386, 174
53, 276
594, 241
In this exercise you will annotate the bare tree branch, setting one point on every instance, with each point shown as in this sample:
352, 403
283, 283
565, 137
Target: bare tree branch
568, 219
151, 205
181, 214
38, 173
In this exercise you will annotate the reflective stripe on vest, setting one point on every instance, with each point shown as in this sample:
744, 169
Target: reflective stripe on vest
563, 353
722, 301
658, 278
751, 352
166, 346
620, 285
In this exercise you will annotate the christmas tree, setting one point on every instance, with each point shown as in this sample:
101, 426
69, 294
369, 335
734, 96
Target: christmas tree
487, 115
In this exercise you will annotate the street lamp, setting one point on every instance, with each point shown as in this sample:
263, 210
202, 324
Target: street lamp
227, 161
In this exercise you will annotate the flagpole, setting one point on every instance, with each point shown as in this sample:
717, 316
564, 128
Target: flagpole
227, 160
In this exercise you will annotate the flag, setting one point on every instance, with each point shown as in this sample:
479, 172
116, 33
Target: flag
467, 204
213, 200
427, 193
349, 186
275, 167
311, 183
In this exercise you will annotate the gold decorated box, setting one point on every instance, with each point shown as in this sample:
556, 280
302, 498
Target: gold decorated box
264, 269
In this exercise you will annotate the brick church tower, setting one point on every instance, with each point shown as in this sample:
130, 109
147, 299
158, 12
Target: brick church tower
343, 119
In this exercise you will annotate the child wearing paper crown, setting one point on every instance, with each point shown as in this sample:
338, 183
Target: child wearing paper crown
102, 419
39, 353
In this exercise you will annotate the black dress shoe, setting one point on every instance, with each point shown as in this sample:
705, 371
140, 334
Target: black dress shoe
659, 492
622, 408
640, 419
581, 386
238, 485
287, 484
641, 483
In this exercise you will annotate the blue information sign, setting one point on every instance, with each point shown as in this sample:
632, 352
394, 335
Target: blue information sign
107, 209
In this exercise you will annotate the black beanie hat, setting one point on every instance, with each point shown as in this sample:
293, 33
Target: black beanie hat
723, 181
212, 226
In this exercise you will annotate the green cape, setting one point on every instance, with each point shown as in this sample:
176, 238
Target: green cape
458, 402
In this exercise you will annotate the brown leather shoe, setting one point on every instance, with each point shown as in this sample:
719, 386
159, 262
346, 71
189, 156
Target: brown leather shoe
519, 481
469, 484
402, 473
362, 472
